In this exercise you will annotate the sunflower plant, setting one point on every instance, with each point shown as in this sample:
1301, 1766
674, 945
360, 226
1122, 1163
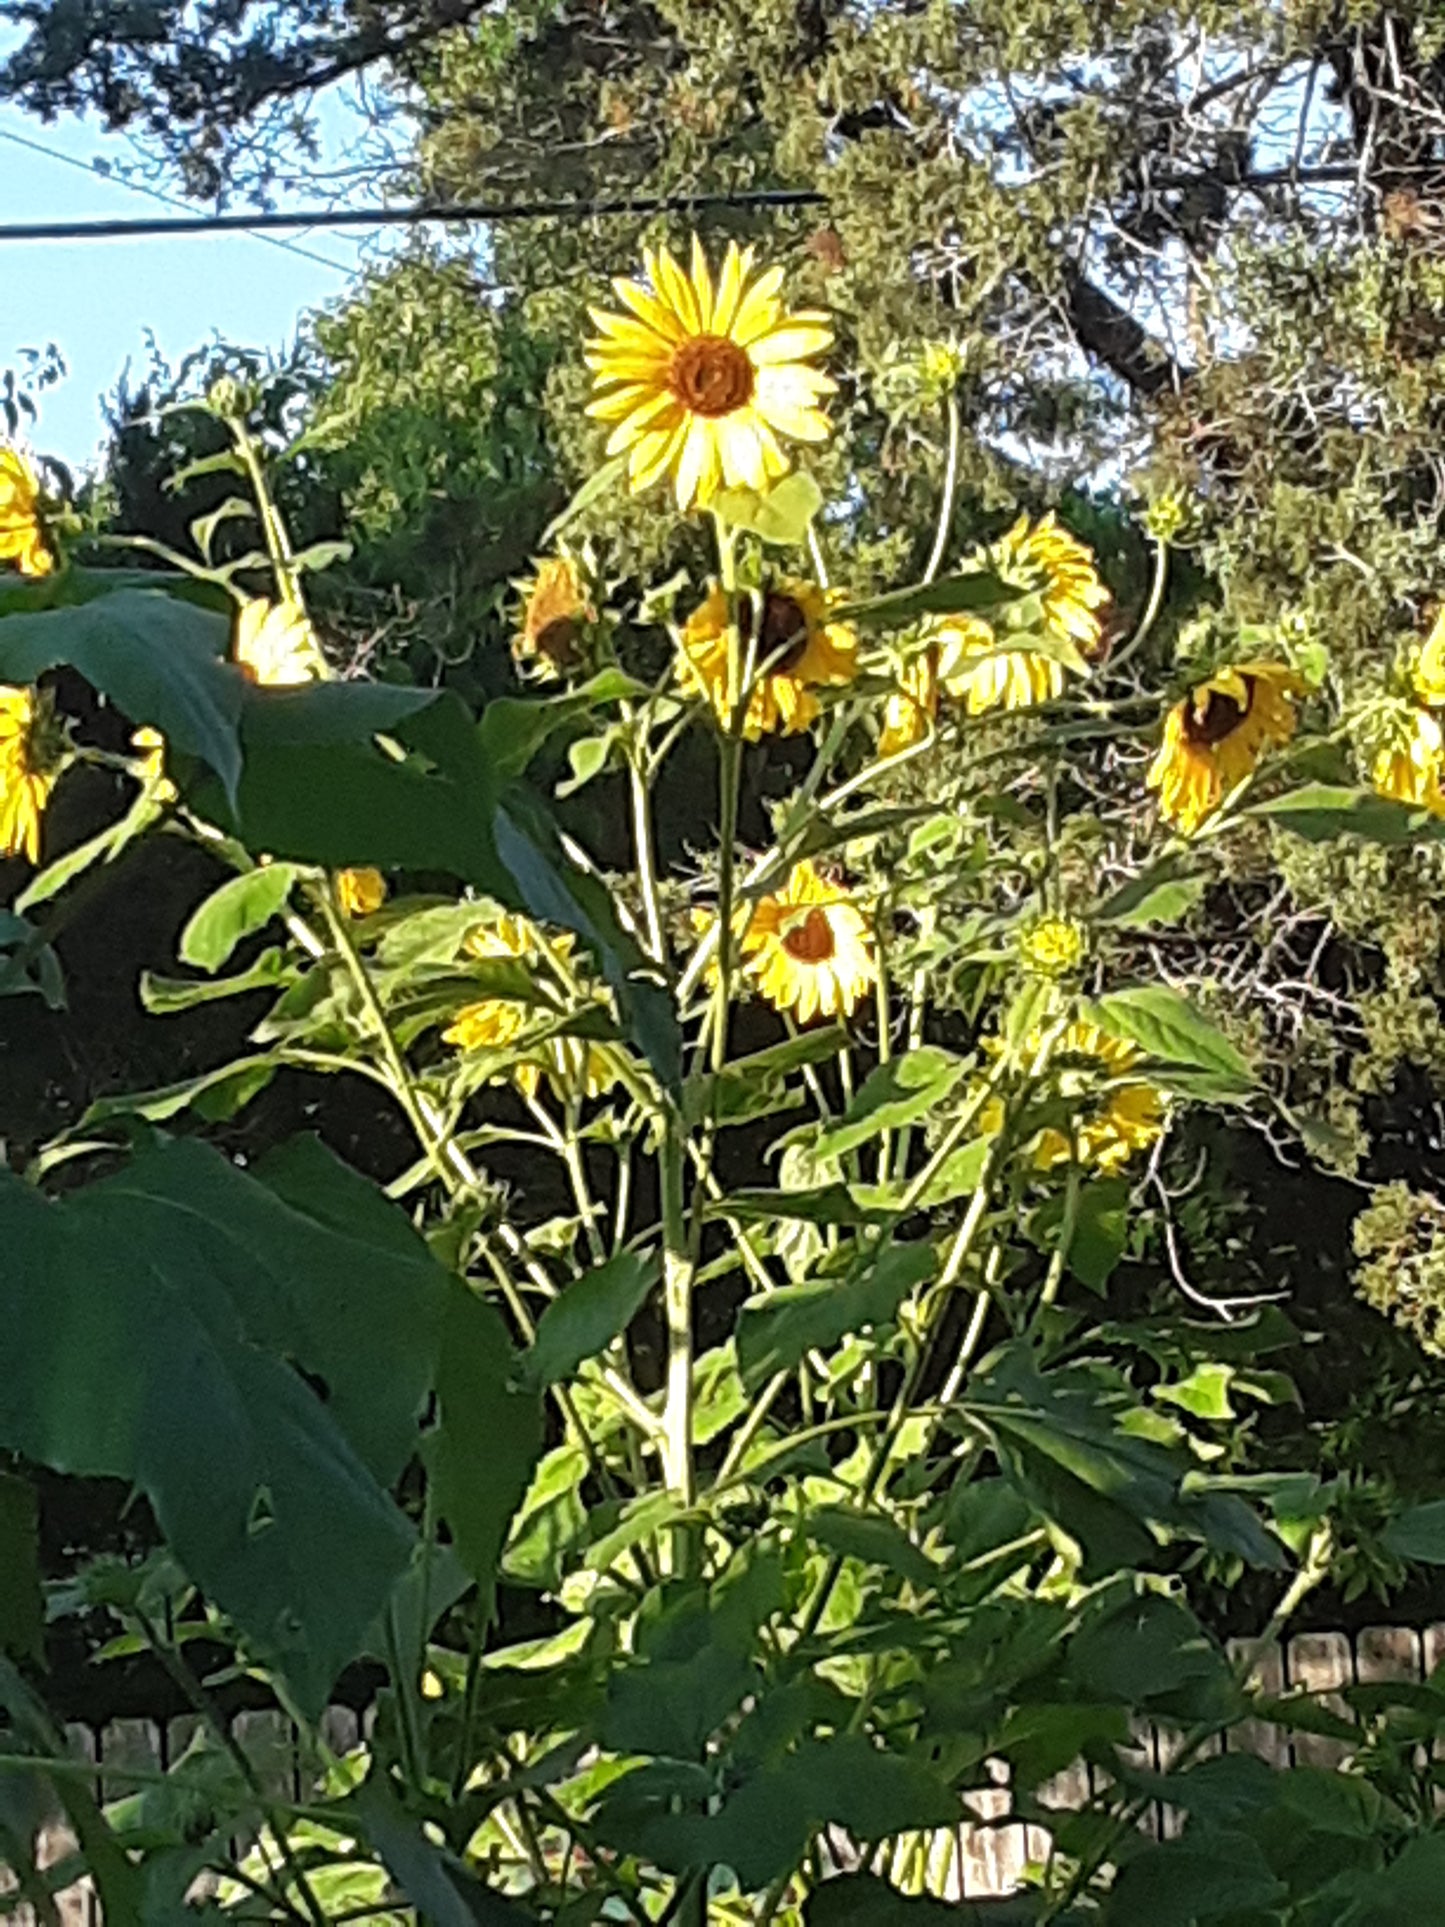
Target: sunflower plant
761, 1403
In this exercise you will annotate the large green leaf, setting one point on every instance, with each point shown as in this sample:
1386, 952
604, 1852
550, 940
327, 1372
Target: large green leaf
22, 1606
1195, 1055
775, 1332
897, 1093
70, 587
147, 1319
159, 660
1418, 1534
237, 909
588, 1315
488, 1437
1204, 1876
1320, 812
442, 1888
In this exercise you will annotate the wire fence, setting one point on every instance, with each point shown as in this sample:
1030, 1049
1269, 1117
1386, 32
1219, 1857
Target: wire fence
985, 1857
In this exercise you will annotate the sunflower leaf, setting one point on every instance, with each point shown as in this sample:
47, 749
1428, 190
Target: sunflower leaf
781, 515
1198, 1058
973, 593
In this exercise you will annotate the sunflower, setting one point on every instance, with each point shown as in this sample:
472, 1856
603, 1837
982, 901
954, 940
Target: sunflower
494, 1023
910, 711
1053, 946
554, 612
360, 893
1409, 761
1047, 560
30, 752
276, 646
809, 949
1115, 1115
789, 642
700, 382
979, 671
152, 771
22, 540
1214, 739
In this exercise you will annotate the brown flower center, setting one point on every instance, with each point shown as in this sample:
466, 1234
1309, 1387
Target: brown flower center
783, 640
711, 375
811, 940
1222, 716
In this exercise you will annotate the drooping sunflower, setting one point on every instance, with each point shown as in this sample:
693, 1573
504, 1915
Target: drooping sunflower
555, 610
22, 539
1048, 560
30, 755
1115, 1114
1214, 739
979, 670
571, 1065
360, 893
909, 713
809, 948
1410, 759
701, 380
793, 648
276, 646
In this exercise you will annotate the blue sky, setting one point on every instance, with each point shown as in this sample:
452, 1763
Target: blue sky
96, 300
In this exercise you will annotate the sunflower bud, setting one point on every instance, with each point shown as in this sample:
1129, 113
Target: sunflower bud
1053, 946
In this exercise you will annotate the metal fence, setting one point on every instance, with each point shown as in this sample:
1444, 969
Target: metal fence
985, 1858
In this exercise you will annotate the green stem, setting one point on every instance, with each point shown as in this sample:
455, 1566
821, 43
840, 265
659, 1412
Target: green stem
950, 483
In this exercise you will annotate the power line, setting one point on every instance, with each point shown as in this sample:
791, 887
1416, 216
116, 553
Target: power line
156, 194
463, 211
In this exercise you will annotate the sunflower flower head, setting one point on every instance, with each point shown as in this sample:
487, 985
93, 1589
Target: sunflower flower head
912, 706
979, 670
1053, 946
555, 615
699, 379
809, 948
1046, 560
1115, 1114
276, 646
152, 772
32, 748
1215, 738
360, 893
789, 648
22, 538
1409, 757
572, 1066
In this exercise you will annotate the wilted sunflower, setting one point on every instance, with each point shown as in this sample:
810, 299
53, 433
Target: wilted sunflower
1409, 759
809, 949
22, 540
360, 893
493, 1023
701, 381
977, 668
794, 649
30, 753
909, 713
555, 610
276, 646
1215, 737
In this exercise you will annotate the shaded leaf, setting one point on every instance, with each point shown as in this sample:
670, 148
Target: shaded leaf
774, 1333
587, 1315
1171, 1031
22, 1605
